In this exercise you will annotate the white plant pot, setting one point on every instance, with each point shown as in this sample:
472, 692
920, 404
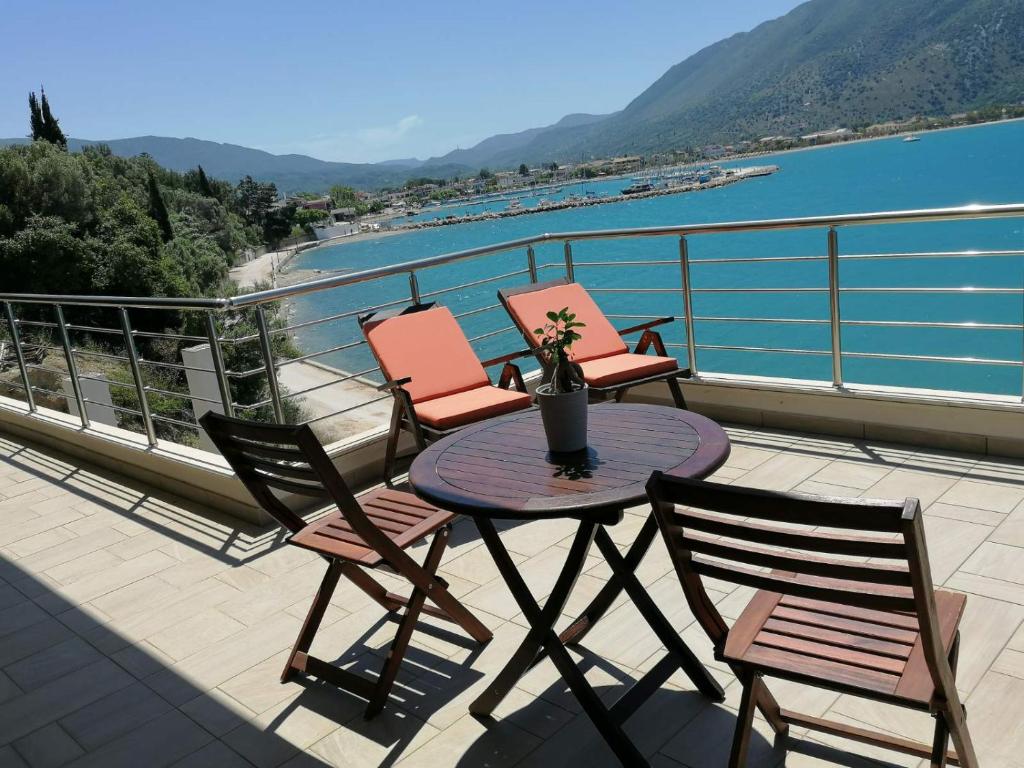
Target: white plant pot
565, 418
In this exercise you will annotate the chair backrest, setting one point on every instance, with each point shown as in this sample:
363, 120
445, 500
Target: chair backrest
273, 457
528, 307
732, 533
425, 343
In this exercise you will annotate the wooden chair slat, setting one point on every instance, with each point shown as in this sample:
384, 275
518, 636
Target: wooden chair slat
799, 563
289, 486
849, 656
875, 596
796, 666
840, 623
837, 638
833, 544
907, 620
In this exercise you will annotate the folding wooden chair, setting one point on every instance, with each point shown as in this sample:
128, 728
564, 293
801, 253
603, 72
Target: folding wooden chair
874, 628
609, 368
438, 382
369, 533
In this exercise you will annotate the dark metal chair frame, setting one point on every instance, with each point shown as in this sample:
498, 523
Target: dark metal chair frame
807, 603
648, 339
403, 415
291, 459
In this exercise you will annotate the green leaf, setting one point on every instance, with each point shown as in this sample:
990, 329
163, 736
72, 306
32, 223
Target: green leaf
539, 331
553, 317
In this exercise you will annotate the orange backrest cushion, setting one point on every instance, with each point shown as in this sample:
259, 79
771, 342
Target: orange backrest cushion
430, 347
600, 339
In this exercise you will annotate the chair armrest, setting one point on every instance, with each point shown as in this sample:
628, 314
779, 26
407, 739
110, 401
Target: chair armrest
646, 326
392, 385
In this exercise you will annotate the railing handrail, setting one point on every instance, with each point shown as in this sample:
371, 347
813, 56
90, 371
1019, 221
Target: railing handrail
975, 211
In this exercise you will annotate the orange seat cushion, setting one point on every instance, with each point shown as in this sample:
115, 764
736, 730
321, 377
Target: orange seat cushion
607, 371
429, 347
470, 406
599, 338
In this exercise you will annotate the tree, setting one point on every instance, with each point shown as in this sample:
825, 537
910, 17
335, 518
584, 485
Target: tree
523, 170
45, 127
158, 209
485, 174
204, 183
255, 199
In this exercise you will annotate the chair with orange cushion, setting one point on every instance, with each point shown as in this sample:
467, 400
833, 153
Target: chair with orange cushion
438, 382
609, 368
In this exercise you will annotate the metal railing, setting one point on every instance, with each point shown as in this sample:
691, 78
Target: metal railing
26, 314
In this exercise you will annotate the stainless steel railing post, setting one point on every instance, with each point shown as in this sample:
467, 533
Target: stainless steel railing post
140, 387
217, 356
414, 288
69, 355
12, 323
568, 262
531, 263
684, 269
268, 361
833, 307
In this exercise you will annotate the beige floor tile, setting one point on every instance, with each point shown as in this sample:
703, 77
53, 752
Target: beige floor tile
996, 727
950, 542
1011, 529
195, 633
967, 514
782, 472
385, 740
851, 474
473, 742
998, 561
901, 483
997, 497
985, 629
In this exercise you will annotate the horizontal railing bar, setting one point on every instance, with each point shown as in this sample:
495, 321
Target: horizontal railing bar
483, 336
934, 358
340, 316
178, 336
102, 355
108, 382
179, 422
967, 325
931, 255
346, 410
963, 289
111, 406
488, 308
176, 366
37, 324
130, 302
747, 259
183, 395
633, 317
93, 329
783, 350
652, 263
758, 290
36, 388
633, 290
339, 380
322, 352
793, 320
37, 367
517, 273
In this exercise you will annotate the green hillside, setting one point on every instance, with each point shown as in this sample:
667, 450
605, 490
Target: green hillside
824, 64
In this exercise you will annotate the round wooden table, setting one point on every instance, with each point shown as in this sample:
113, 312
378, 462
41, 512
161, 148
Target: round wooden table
501, 469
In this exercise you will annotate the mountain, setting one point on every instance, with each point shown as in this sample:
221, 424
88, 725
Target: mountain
824, 64
291, 173
507, 144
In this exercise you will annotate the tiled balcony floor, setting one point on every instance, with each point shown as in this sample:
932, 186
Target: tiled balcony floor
136, 632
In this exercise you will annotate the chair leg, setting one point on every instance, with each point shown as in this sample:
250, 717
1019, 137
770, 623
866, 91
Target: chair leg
940, 742
677, 393
391, 448
405, 628
772, 713
313, 617
621, 394
954, 718
745, 720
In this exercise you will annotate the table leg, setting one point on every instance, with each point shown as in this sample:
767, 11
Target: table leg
623, 572
542, 638
575, 632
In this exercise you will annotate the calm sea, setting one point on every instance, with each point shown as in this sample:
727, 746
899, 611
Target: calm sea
977, 165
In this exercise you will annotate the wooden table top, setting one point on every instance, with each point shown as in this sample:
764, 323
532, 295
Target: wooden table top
502, 469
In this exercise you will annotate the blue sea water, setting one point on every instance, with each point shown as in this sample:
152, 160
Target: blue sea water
984, 164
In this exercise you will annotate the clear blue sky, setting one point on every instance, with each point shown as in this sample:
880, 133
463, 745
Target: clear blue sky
349, 81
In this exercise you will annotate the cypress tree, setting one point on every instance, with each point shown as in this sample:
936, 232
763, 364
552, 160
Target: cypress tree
54, 134
158, 210
204, 184
35, 117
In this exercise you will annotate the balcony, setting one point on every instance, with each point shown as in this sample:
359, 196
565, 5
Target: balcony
146, 609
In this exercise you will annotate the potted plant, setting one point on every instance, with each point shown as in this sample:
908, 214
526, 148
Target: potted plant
563, 398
